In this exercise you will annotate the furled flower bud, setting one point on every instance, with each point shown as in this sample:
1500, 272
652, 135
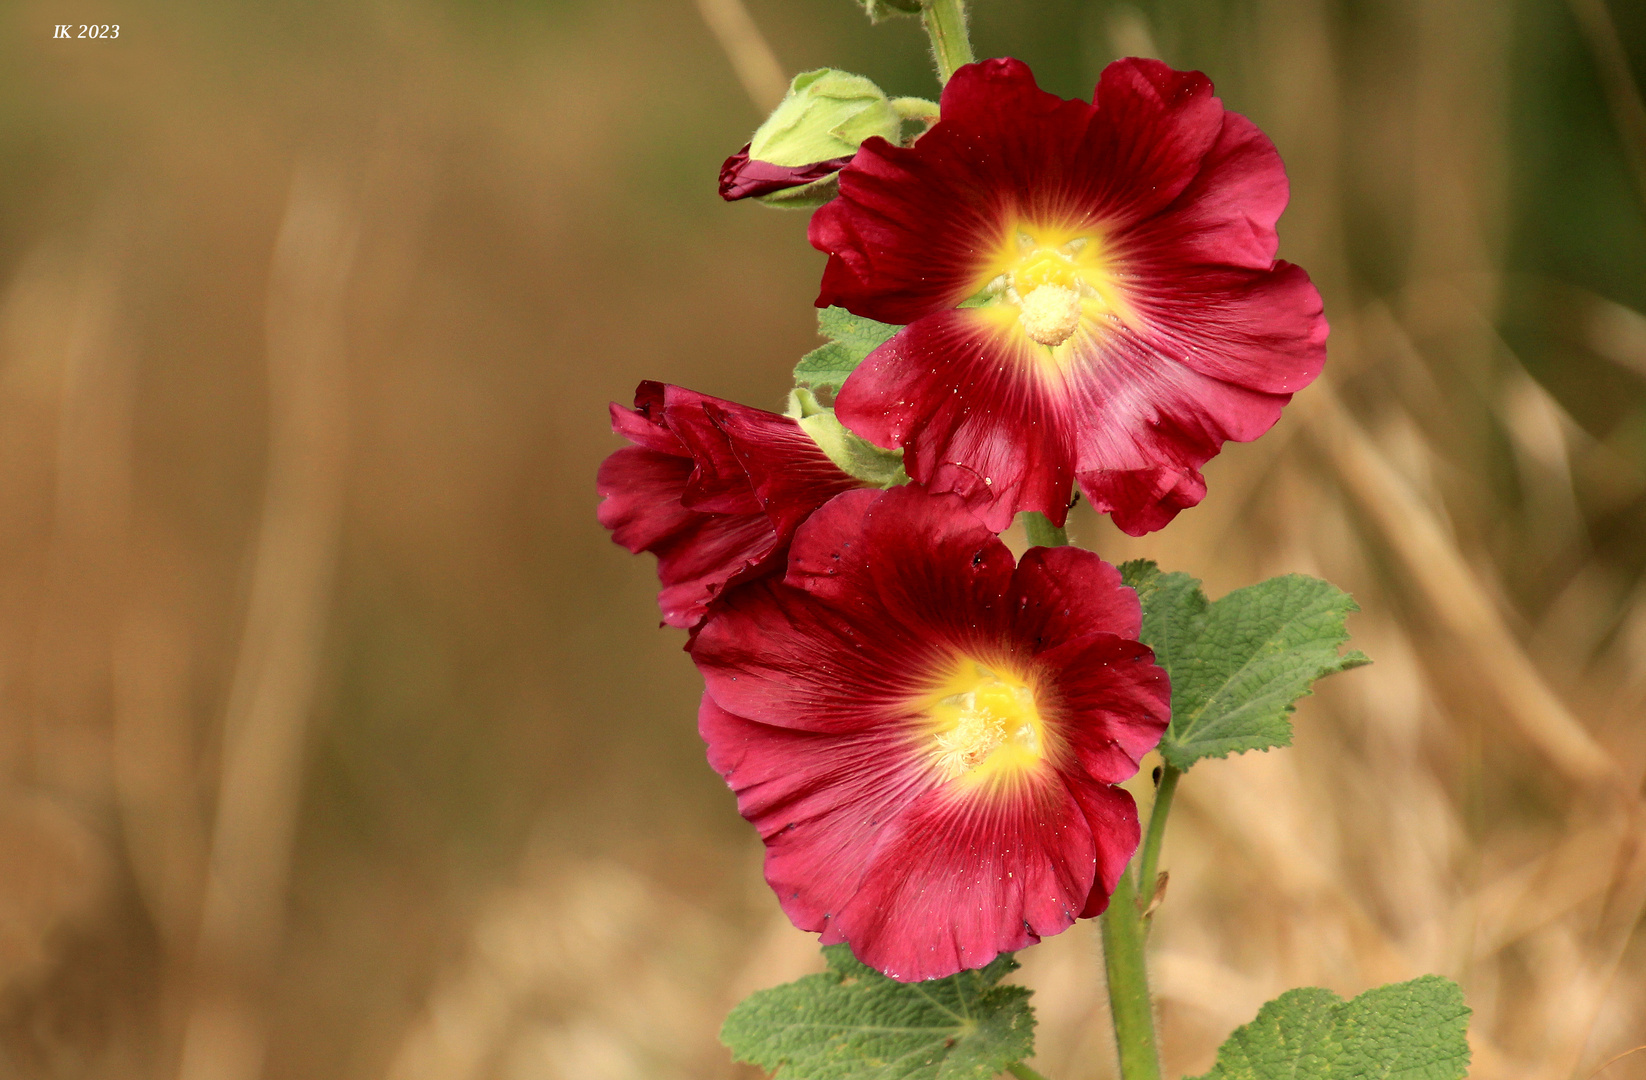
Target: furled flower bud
794, 156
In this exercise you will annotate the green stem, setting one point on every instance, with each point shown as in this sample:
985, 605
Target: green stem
1129, 1002
945, 22
1042, 533
1150, 862
1023, 1072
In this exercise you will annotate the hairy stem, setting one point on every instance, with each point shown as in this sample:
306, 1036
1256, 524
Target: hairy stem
1150, 862
945, 22
1042, 533
1023, 1072
1129, 1002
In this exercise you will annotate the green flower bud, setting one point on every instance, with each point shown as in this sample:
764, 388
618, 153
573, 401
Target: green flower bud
794, 156
825, 115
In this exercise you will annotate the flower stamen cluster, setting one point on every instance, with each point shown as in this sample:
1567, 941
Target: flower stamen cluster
986, 725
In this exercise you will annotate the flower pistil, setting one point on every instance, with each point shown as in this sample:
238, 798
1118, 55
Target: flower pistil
983, 725
1046, 281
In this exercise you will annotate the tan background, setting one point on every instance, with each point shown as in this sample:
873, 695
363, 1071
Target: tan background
309, 314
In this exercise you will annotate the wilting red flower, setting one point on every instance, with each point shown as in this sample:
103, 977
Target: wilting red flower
928, 737
1133, 315
712, 488
743, 177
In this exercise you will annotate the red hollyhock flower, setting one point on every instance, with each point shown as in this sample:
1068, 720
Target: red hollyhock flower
712, 488
928, 737
1133, 315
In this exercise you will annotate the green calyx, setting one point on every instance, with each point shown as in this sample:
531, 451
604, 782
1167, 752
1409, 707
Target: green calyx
825, 115
852, 454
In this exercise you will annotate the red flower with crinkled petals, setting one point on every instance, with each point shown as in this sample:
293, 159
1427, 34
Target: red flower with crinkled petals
927, 736
1130, 315
712, 488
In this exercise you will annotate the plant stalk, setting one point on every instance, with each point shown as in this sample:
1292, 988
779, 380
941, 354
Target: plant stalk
1042, 533
1129, 1004
1149, 864
945, 22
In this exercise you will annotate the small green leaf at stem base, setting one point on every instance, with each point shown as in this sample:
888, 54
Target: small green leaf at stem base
851, 338
1412, 1030
1239, 666
853, 1022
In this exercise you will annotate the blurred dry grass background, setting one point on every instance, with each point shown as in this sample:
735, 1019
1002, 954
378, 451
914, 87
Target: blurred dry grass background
337, 741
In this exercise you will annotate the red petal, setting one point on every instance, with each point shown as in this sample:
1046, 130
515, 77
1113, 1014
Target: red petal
687, 492
743, 177
923, 559
789, 474
882, 587
643, 425
1227, 215
697, 554
1110, 701
1157, 127
911, 228
776, 655
958, 879
1112, 817
820, 802
1065, 593
972, 418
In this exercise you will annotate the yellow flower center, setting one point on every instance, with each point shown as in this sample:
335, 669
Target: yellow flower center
1047, 281
983, 724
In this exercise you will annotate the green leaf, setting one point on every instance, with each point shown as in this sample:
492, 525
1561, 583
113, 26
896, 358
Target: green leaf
1239, 666
1413, 1030
851, 338
853, 1022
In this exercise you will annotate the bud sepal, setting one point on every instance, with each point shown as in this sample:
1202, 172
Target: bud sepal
793, 158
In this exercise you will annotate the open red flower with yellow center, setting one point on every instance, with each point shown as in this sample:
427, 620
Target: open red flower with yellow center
712, 488
927, 736
1124, 317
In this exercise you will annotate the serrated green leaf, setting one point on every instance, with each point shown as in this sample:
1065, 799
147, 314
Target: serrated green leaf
1239, 666
1413, 1030
851, 338
853, 1023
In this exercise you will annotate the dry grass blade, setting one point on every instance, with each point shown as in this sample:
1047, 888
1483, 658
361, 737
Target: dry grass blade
746, 47
1622, 92
275, 673
1451, 589
1614, 1059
